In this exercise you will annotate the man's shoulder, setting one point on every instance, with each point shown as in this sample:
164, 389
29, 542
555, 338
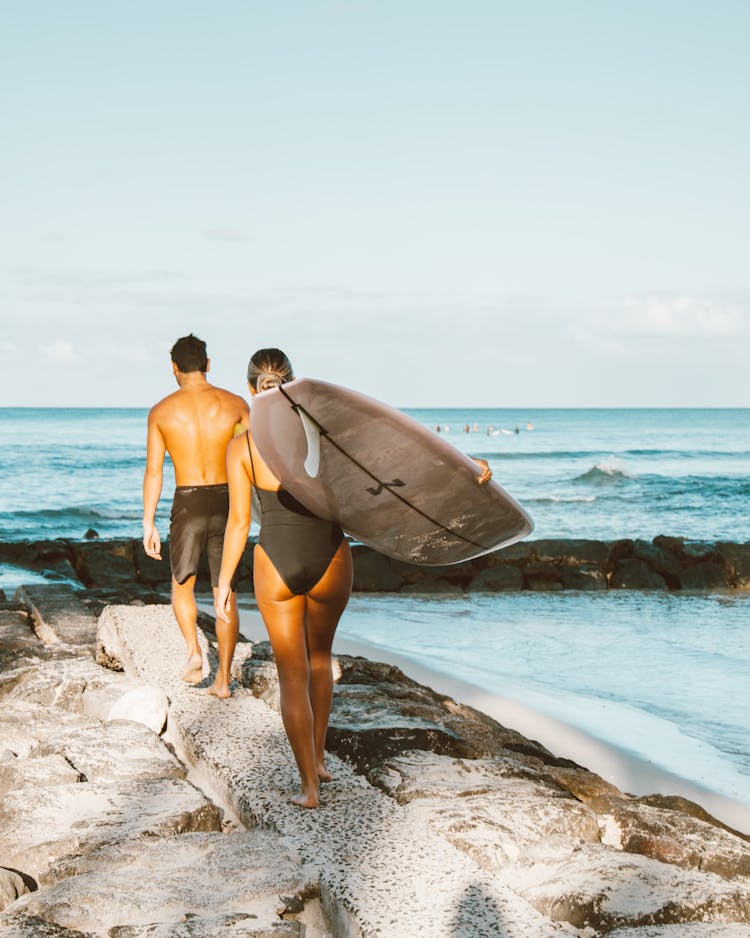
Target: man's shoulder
164, 406
230, 398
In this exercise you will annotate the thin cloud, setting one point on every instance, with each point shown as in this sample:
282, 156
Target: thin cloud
30, 276
227, 234
61, 351
679, 317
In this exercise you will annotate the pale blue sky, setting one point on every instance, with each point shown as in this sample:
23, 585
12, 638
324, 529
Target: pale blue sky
438, 203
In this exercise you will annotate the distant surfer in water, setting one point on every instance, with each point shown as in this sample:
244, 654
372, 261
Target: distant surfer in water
302, 575
194, 425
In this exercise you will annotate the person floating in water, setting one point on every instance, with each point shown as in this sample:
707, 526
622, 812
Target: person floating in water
194, 425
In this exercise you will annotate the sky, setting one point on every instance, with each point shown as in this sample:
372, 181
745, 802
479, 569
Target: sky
438, 203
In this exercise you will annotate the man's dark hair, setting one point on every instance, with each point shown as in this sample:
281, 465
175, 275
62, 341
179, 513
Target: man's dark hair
189, 354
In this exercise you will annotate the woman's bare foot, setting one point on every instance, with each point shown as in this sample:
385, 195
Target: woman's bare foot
306, 799
323, 774
193, 673
217, 689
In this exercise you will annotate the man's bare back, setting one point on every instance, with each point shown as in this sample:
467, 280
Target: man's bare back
195, 425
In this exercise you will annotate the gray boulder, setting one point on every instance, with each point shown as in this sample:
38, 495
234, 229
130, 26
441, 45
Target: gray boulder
40, 826
194, 884
113, 751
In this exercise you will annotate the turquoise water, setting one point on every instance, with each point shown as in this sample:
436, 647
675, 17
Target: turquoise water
580, 473
665, 677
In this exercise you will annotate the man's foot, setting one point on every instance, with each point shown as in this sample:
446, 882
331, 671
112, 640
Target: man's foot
193, 673
218, 689
306, 799
323, 774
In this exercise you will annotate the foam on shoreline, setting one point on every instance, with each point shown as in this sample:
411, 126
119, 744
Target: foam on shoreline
618, 766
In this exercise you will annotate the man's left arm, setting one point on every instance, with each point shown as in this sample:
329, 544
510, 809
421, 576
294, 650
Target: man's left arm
152, 483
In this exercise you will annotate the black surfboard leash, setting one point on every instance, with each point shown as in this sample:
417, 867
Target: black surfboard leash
297, 408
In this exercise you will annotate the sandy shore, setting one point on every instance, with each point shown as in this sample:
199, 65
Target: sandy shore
618, 766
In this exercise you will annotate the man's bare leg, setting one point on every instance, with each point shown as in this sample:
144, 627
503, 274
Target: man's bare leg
226, 635
186, 613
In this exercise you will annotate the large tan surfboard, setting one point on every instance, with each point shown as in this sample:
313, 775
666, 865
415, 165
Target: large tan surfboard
387, 480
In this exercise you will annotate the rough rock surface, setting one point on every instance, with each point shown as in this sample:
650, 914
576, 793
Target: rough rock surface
166, 881
39, 826
11, 887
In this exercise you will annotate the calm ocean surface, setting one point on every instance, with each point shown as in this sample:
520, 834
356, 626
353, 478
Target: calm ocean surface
666, 676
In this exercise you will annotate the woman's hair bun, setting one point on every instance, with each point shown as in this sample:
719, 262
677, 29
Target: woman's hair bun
268, 368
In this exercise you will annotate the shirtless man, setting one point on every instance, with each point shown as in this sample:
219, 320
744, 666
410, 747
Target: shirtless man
194, 425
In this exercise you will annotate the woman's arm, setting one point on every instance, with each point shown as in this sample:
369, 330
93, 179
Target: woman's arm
238, 522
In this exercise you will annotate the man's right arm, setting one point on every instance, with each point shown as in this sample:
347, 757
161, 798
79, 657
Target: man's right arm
152, 483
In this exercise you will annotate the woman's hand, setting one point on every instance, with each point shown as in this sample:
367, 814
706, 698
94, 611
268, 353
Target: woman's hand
486, 471
221, 603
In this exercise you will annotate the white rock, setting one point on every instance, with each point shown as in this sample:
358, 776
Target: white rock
119, 749
125, 699
40, 826
50, 770
163, 881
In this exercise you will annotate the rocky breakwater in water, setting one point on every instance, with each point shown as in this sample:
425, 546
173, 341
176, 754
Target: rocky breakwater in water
118, 571
439, 821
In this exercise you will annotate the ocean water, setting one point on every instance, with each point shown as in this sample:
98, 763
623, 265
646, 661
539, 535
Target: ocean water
665, 676
580, 473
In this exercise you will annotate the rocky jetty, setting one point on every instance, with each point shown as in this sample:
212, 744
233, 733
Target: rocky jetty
132, 804
119, 570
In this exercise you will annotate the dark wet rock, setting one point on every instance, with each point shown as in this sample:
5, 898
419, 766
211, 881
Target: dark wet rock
737, 559
91, 535
3, 597
631, 573
619, 551
542, 576
708, 575
701, 550
104, 563
498, 578
662, 561
674, 545
571, 552
515, 553
674, 837
373, 571
583, 578
431, 586
149, 571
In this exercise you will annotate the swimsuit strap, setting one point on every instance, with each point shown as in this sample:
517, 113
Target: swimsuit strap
252, 464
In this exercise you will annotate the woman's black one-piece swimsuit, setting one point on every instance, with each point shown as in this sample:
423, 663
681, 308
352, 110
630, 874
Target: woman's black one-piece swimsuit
298, 543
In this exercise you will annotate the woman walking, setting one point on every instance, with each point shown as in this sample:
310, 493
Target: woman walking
302, 574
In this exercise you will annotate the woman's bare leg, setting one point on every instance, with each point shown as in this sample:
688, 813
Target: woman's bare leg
326, 602
284, 617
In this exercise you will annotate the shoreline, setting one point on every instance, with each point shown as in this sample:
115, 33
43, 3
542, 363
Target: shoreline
626, 771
